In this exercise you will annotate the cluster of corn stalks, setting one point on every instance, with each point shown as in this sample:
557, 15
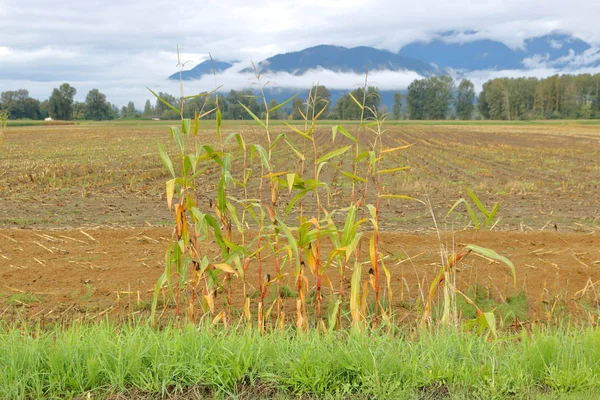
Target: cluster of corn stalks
253, 229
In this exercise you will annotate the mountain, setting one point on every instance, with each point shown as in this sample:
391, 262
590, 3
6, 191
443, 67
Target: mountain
555, 49
458, 51
204, 68
342, 59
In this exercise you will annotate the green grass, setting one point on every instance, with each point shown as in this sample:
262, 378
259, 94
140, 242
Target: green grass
209, 124
23, 299
29, 122
137, 361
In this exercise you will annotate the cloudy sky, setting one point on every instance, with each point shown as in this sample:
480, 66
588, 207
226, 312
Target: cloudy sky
121, 46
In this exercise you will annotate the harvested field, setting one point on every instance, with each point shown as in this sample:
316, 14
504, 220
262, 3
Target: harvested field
107, 180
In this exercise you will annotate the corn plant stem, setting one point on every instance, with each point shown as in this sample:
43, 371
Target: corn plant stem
318, 239
377, 148
273, 196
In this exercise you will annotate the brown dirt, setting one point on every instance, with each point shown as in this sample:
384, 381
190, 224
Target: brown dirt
53, 273
107, 180
111, 175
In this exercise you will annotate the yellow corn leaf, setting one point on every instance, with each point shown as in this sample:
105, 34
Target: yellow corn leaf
210, 302
299, 315
226, 268
389, 283
281, 321
355, 296
170, 192
396, 149
363, 300
268, 313
326, 281
395, 196
220, 317
372, 253
391, 170
275, 174
247, 313
261, 322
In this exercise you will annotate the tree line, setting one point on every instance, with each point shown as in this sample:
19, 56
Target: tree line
432, 98
556, 97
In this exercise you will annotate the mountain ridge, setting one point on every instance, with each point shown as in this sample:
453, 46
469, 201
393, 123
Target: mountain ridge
434, 57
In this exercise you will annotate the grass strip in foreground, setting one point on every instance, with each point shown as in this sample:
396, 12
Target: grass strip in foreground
139, 361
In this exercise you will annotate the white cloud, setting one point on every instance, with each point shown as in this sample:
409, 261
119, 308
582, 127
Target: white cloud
120, 46
555, 44
537, 61
573, 61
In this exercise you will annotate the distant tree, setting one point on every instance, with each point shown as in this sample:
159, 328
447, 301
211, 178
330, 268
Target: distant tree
96, 107
430, 98
495, 100
347, 108
148, 109
19, 105
79, 110
482, 104
235, 110
465, 99
439, 97
124, 113
45, 108
416, 98
60, 104
298, 108
274, 114
397, 105
131, 111
113, 112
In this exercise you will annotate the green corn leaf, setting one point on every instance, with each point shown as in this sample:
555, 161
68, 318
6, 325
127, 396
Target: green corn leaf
253, 116
357, 102
176, 133
343, 131
278, 106
355, 297
219, 117
334, 153
298, 131
295, 149
489, 253
492, 215
294, 200
395, 196
352, 176
166, 160
291, 178
166, 103
263, 156
291, 241
334, 316
212, 222
195, 127
348, 225
221, 198
469, 210
361, 156
186, 125
478, 203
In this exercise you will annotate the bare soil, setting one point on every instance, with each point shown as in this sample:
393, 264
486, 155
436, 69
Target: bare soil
84, 224
92, 272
